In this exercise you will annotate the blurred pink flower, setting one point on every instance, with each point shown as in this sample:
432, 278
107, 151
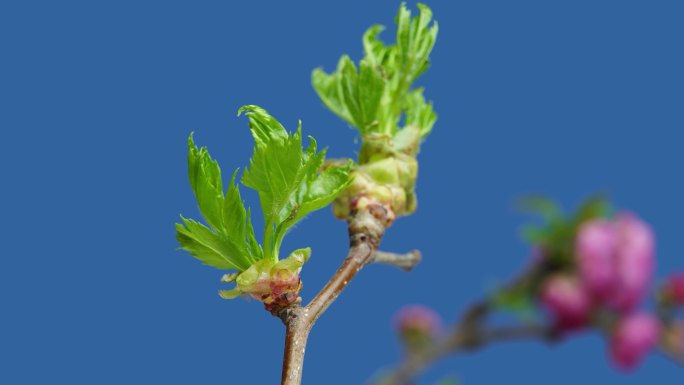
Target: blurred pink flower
634, 336
616, 260
567, 301
595, 249
635, 261
417, 325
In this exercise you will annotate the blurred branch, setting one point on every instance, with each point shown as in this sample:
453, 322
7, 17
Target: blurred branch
676, 356
471, 333
468, 335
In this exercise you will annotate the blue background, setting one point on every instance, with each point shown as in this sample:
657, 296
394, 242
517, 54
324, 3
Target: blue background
97, 100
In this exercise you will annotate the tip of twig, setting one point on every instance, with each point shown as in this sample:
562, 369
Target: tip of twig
405, 262
415, 256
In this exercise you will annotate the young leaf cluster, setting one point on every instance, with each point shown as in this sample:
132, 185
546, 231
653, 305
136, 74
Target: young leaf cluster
287, 179
289, 185
228, 242
374, 95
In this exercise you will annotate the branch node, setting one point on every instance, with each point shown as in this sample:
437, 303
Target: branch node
287, 313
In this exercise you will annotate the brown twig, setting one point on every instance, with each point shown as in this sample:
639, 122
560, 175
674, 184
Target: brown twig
403, 261
366, 228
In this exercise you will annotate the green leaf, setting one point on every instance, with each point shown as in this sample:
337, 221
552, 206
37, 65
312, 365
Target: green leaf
594, 207
229, 243
230, 294
419, 113
373, 47
535, 235
545, 207
286, 177
355, 95
295, 260
328, 89
415, 40
205, 179
209, 247
556, 234
374, 96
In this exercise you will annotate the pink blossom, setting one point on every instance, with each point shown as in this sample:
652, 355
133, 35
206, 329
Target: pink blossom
616, 260
595, 248
635, 261
634, 336
567, 301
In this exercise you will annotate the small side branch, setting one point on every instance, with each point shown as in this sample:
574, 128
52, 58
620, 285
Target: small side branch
403, 261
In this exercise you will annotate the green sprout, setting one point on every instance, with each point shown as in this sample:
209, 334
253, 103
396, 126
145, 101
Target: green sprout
290, 186
376, 97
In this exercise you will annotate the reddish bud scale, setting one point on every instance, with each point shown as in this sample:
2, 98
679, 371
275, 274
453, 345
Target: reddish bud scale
278, 291
282, 293
275, 283
377, 209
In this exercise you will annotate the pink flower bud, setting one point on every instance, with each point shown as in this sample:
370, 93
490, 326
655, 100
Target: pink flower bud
634, 336
567, 301
675, 288
615, 260
417, 325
